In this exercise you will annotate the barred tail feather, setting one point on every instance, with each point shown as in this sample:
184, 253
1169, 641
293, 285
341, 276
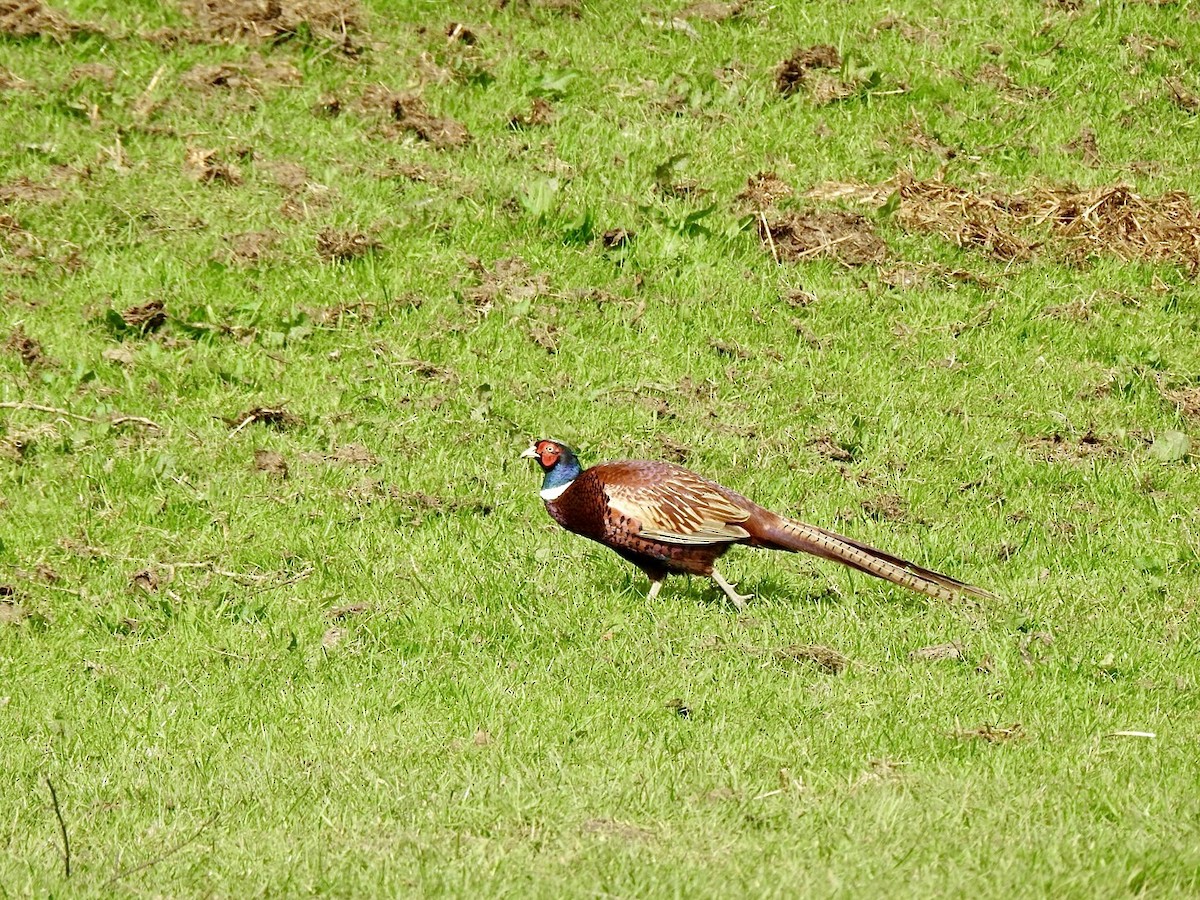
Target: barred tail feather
779, 533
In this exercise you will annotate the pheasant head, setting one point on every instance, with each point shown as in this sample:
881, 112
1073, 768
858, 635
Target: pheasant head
558, 462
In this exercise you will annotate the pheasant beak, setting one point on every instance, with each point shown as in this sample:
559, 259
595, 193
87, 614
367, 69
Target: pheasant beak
531, 453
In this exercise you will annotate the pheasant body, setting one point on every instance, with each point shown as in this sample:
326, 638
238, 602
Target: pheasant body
666, 519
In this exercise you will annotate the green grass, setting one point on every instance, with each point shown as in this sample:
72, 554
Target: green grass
497, 720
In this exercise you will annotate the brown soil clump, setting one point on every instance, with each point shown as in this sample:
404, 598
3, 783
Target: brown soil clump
145, 318
334, 244
207, 167
26, 347
272, 20
32, 18
764, 190
791, 74
409, 115
249, 75
838, 234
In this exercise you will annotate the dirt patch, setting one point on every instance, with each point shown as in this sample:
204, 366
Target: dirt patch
347, 454
845, 236
1085, 147
1183, 96
612, 828
336, 245
792, 73
886, 508
270, 462
275, 416
418, 506
938, 652
98, 72
24, 189
540, 113
713, 10
407, 114
206, 166
1056, 448
824, 658
992, 734
146, 317
32, 18
827, 446
10, 81
1186, 400
273, 20
250, 75
11, 612
248, 248
26, 347
508, 279
763, 190
338, 613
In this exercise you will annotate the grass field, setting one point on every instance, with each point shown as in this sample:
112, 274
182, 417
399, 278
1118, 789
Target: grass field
286, 290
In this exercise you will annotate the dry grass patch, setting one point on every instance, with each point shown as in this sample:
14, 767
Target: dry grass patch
1112, 220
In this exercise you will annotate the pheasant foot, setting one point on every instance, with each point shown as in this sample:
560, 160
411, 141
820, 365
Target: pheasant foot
738, 600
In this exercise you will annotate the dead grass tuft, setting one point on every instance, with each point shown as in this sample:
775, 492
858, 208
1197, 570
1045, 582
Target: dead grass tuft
1111, 220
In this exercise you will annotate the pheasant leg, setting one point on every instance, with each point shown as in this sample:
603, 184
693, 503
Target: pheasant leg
738, 600
655, 587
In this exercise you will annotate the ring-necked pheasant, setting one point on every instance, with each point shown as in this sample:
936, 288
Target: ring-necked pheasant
668, 520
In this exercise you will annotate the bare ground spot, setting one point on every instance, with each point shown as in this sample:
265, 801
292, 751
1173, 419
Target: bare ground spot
792, 73
1186, 399
250, 75
713, 10
824, 658
408, 114
938, 652
991, 734
145, 317
613, 828
273, 20
509, 279
839, 234
270, 462
32, 18
29, 191
275, 416
28, 348
247, 248
886, 508
540, 113
334, 244
763, 190
207, 166
1057, 448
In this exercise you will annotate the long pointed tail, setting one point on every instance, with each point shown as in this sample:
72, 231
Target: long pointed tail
778, 533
